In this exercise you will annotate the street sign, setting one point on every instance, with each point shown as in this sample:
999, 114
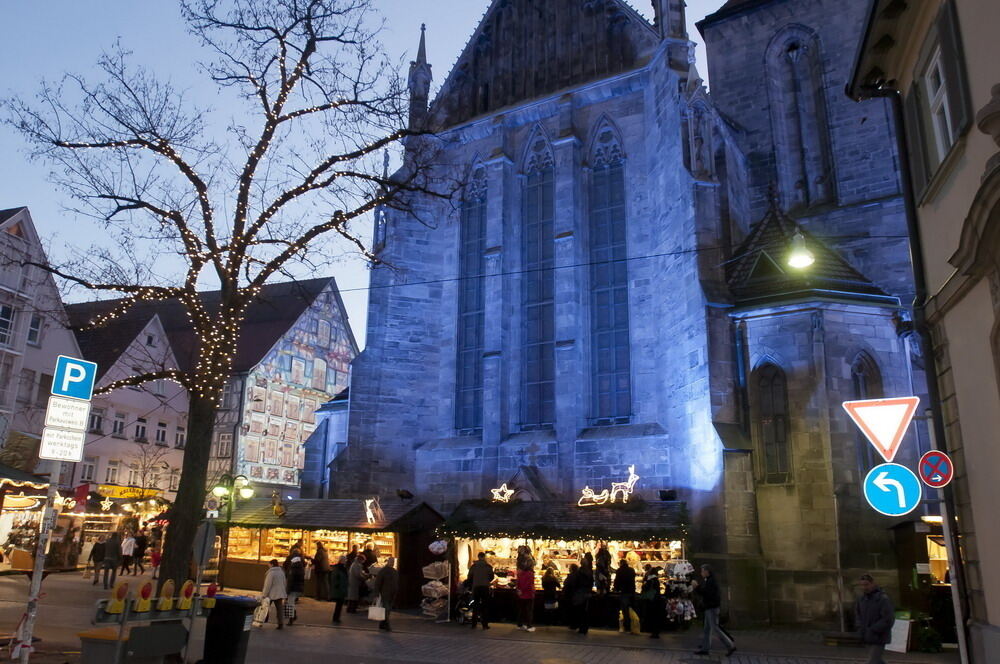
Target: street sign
62, 445
936, 469
883, 421
74, 378
892, 489
63, 413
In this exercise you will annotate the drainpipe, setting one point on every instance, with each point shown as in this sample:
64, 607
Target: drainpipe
926, 342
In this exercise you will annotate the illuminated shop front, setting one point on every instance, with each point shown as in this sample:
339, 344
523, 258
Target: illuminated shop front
258, 535
562, 533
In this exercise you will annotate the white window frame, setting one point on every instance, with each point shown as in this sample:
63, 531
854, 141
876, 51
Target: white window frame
95, 423
141, 435
35, 324
118, 425
88, 469
938, 108
161, 433
111, 473
7, 322
133, 476
180, 438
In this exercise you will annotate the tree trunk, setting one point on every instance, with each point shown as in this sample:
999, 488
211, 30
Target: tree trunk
186, 513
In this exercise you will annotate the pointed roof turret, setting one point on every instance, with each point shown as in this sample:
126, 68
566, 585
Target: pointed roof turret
422, 49
420, 83
760, 273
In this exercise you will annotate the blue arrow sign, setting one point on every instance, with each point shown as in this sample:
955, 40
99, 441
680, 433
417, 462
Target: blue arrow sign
892, 489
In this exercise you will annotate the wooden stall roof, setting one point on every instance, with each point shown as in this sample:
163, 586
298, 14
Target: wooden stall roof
336, 514
636, 520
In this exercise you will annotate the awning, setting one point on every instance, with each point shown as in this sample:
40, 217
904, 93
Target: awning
637, 520
341, 514
10, 476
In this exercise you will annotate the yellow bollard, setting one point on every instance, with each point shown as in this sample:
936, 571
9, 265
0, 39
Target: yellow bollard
119, 594
186, 596
208, 601
144, 601
166, 602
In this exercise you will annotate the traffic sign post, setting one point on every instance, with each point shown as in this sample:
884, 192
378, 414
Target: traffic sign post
892, 489
936, 469
63, 439
883, 421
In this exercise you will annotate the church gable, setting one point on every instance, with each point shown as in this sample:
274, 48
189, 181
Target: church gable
525, 49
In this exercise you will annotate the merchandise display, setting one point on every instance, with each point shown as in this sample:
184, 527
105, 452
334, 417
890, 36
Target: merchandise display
262, 544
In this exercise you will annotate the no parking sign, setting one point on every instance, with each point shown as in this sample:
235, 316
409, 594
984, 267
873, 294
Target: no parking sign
936, 469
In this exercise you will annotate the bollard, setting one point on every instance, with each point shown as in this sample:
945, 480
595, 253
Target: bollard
119, 595
186, 596
144, 602
166, 602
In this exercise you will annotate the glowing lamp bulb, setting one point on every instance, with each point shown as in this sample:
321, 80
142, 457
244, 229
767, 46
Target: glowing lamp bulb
220, 491
246, 493
800, 257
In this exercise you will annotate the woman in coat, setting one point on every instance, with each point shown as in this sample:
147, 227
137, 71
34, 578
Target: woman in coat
296, 584
275, 590
385, 587
652, 602
355, 579
338, 587
550, 595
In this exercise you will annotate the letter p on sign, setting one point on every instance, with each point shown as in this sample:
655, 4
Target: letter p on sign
74, 378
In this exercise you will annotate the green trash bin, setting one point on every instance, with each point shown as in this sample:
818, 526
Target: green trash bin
227, 631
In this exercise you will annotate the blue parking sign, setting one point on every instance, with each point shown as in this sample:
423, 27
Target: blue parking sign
892, 489
74, 378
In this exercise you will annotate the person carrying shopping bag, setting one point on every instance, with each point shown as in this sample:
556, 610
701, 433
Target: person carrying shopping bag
385, 587
275, 592
296, 586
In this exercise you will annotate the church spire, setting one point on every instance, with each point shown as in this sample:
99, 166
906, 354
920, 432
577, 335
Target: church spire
420, 83
669, 18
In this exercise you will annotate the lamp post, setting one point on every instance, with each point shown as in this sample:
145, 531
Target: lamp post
230, 489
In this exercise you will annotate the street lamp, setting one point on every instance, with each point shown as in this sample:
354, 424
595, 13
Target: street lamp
800, 257
230, 489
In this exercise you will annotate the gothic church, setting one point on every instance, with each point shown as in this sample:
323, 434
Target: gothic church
611, 287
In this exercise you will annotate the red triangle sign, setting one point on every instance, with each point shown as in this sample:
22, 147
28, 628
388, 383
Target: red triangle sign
883, 421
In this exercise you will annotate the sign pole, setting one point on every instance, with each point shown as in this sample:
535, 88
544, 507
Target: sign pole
48, 521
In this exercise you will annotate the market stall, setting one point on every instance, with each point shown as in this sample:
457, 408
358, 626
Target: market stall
559, 534
22, 497
258, 534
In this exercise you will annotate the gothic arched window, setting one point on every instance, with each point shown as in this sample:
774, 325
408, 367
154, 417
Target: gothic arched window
866, 383
471, 306
798, 118
538, 288
772, 425
609, 315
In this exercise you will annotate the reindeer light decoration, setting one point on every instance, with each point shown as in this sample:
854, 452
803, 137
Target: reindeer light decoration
624, 488
589, 497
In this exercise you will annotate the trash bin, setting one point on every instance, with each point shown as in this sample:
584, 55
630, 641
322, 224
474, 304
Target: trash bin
227, 632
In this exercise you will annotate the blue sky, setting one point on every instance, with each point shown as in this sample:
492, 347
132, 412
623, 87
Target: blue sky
43, 40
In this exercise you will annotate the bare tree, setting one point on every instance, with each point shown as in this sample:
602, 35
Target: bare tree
312, 102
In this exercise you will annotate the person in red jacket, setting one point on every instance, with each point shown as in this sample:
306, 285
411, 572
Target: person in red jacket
526, 598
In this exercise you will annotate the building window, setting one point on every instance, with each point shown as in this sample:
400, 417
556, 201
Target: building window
140, 431
225, 445
866, 383
180, 438
26, 387
35, 330
161, 433
96, 420
609, 317
118, 426
44, 390
151, 340
133, 476
88, 469
772, 425
538, 296
227, 395
471, 307
941, 122
111, 473
7, 314
175, 480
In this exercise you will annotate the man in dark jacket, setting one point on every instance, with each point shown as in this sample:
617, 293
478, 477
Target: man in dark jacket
338, 587
296, 584
385, 587
625, 587
711, 597
480, 577
874, 617
97, 557
321, 569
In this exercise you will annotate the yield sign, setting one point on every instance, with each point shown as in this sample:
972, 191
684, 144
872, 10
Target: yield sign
883, 421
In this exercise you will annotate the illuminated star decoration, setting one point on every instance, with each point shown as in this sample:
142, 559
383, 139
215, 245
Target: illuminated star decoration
106, 504
502, 494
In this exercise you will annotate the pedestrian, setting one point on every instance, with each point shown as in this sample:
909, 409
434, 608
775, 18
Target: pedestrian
370, 557
526, 594
582, 592
874, 617
97, 557
602, 569
711, 597
352, 555
355, 579
321, 569
652, 601
154, 559
625, 587
480, 578
128, 550
569, 589
550, 595
338, 587
385, 587
112, 556
141, 543
276, 591
296, 585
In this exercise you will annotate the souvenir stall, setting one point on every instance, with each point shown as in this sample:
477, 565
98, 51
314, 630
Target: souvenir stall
562, 533
261, 531
22, 497
95, 517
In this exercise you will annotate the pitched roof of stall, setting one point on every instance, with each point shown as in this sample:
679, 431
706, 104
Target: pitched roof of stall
526, 36
267, 319
333, 514
760, 274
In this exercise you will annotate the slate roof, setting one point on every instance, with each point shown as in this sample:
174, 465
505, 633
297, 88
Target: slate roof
637, 519
17, 475
8, 213
333, 514
760, 273
267, 319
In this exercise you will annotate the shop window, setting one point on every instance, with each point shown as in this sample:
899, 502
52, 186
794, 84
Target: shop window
35, 330
7, 315
471, 306
161, 433
140, 431
774, 462
111, 473
96, 424
866, 383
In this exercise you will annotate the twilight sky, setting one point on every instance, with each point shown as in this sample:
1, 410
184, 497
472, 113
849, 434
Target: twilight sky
43, 40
